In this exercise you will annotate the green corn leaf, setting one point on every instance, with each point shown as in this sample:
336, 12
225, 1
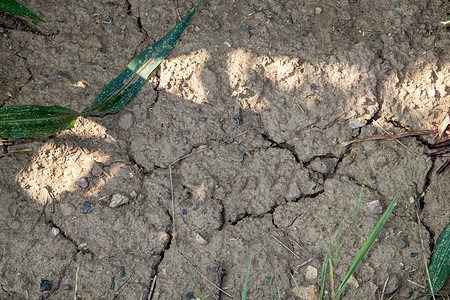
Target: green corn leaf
15, 8
439, 267
32, 120
123, 88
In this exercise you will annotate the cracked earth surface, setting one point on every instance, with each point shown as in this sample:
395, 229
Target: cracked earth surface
249, 111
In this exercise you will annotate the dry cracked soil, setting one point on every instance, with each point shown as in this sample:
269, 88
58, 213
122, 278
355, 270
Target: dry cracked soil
249, 113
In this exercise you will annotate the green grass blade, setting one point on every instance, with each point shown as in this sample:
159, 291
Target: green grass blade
324, 272
338, 239
369, 241
15, 8
199, 293
272, 289
296, 284
128, 84
247, 274
33, 120
355, 216
358, 204
439, 267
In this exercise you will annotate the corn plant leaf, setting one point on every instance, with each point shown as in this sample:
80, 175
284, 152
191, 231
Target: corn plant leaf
15, 8
123, 88
439, 267
32, 120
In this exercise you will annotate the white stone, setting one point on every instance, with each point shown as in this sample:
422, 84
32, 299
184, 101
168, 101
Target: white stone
55, 231
200, 240
431, 92
311, 272
356, 124
126, 120
294, 191
117, 200
374, 207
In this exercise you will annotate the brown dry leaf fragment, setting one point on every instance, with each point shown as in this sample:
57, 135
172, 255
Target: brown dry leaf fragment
444, 124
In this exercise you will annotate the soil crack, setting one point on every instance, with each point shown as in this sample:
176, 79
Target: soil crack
80, 247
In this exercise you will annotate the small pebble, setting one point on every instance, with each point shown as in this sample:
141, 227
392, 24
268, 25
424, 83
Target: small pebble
431, 92
190, 296
372, 287
396, 5
311, 272
66, 287
393, 284
122, 273
294, 191
117, 200
308, 292
82, 183
407, 45
15, 225
97, 170
200, 240
237, 156
86, 208
374, 207
109, 28
126, 120
299, 35
111, 4
318, 10
237, 116
402, 243
346, 16
46, 285
196, 205
55, 231
353, 282
67, 209
355, 124
113, 283
243, 28
360, 148
414, 254
82, 246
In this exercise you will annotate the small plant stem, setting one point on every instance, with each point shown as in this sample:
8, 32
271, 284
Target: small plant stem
423, 252
76, 284
390, 134
286, 247
384, 288
331, 278
152, 288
